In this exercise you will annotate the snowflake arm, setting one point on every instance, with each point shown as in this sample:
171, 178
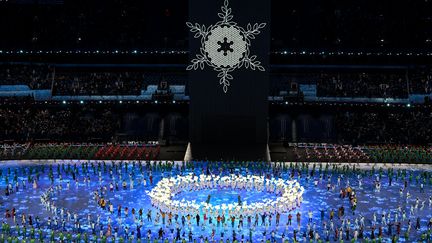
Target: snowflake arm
253, 64
200, 31
226, 14
252, 31
225, 77
197, 63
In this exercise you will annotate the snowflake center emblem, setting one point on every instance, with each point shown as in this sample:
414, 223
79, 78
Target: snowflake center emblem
225, 46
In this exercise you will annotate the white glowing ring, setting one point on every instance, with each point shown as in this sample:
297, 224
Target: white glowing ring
289, 194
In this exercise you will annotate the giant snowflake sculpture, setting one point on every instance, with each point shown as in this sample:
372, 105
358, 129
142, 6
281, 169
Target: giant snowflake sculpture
225, 46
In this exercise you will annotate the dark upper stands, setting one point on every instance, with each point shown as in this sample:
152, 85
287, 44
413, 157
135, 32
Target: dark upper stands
96, 24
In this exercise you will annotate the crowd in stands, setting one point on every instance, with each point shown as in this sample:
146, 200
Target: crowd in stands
82, 122
35, 76
14, 150
377, 84
112, 151
17, 100
100, 151
171, 78
24, 124
387, 153
287, 84
421, 81
399, 127
400, 153
112, 83
329, 153
329, 84
370, 85
103, 83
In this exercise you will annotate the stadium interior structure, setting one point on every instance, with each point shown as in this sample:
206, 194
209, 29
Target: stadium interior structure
98, 124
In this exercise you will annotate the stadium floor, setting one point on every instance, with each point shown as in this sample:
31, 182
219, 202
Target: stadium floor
78, 198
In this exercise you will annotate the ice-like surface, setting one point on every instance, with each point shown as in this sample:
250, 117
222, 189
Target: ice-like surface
78, 199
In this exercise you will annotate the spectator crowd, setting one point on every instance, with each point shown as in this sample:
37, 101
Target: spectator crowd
370, 85
86, 122
26, 124
35, 76
421, 81
400, 127
348, 83
102, 83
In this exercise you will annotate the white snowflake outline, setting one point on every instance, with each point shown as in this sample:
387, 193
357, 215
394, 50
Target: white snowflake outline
248, 61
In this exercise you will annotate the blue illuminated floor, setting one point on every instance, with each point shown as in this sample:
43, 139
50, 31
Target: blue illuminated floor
79, 199
219, 196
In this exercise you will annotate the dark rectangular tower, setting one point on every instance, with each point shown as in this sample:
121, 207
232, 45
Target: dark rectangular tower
229, 121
